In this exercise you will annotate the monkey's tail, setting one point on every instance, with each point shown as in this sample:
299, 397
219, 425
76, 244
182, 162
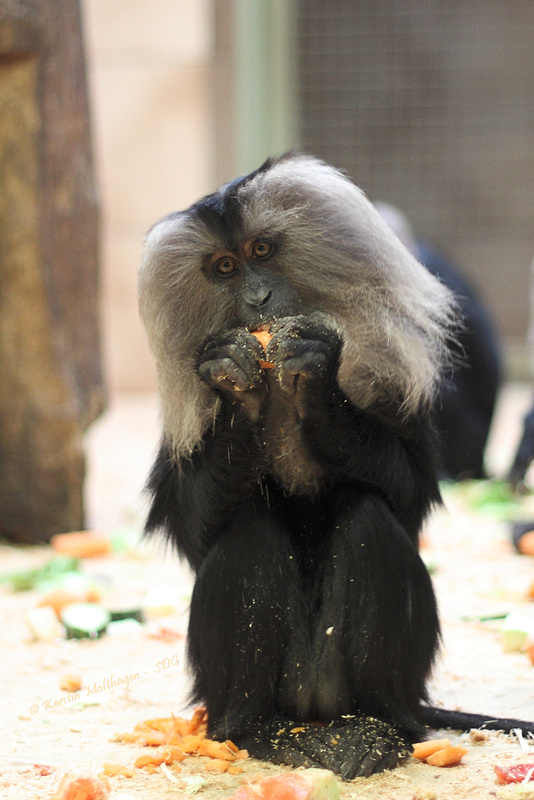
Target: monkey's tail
459, 720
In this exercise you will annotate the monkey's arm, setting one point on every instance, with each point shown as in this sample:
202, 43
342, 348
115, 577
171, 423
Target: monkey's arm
193, 499
393, 455
354, 445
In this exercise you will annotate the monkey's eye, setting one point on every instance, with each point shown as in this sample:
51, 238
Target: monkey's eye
260, 249
226, 266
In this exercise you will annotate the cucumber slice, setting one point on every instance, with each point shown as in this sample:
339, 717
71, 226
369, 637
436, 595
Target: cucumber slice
119, 614
84, 620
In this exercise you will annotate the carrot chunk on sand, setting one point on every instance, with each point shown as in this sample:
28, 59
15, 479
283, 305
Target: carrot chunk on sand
111, 770
82, 787
448, 757
182, 738
422, 750
81, 544
310, 784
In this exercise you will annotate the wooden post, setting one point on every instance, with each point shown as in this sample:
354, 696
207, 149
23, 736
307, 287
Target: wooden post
51, 385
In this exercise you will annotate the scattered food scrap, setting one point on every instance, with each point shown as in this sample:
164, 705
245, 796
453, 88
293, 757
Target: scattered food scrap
178, 738
70, 683
43, 769
310, 784
44, 624
516, 628
111, 770
82, 787
517, 773
81, 544
523, 538
164, 633
438, 753
85, 620
25, 580
515, 791
58, 599
491, 497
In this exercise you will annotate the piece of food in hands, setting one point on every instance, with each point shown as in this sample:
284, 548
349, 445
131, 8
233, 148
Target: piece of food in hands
264, 337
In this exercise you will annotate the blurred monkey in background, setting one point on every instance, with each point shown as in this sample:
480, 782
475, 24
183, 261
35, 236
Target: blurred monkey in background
465, 404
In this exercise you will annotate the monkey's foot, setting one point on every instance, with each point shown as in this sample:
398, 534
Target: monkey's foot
351, 747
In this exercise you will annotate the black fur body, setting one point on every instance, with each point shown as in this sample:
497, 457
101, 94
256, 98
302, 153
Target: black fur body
298, 494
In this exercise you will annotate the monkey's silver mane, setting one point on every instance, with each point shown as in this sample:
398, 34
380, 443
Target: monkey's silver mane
394, 317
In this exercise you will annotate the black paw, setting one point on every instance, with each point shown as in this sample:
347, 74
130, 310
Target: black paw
305, 350
231, 361
352, 747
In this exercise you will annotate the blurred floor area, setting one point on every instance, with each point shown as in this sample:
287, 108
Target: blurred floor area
120, 448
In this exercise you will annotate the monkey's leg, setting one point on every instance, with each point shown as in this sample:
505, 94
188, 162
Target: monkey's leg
243, 611
525, 451
374, 637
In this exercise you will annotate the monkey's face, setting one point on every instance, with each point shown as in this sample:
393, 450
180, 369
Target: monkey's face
295, 237
252, 281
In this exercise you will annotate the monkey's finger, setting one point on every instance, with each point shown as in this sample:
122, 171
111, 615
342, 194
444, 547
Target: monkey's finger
307, 366
226, 373
243, 348
233, 355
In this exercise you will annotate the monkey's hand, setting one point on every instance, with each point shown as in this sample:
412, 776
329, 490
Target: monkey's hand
229, 363
305, 350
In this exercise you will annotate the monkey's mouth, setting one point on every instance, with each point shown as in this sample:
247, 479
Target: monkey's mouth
263, 327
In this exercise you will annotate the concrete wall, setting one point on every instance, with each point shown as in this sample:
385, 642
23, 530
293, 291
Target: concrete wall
150, 70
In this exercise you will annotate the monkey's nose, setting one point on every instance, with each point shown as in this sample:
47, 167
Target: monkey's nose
258, 297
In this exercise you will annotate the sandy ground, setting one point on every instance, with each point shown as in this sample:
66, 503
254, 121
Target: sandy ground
141, 675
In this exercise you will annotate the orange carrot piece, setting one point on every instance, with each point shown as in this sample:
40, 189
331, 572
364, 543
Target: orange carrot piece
70, 683
80, 544
110, 770
208, 747
191, 742
82, 787
58, 599
264, 337
448, 757
172, 754
178, 741
525, 545
422, 750
288, 786
149, 761
216, 765
198, 722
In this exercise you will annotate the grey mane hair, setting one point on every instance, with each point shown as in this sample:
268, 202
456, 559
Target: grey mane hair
395, 319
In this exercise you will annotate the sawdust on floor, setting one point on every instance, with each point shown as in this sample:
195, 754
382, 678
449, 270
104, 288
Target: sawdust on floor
136, 677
